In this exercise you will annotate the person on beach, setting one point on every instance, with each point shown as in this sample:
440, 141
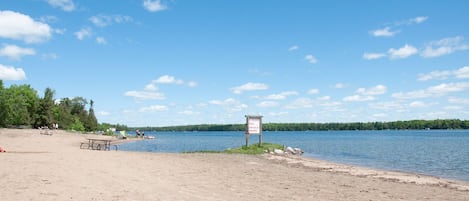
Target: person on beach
137, 133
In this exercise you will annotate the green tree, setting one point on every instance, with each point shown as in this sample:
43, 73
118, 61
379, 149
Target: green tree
77, 125
2, 106
78, 110
63, 113
92, 122
45, 115
20, 105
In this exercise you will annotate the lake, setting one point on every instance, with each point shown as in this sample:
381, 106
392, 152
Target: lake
441, 153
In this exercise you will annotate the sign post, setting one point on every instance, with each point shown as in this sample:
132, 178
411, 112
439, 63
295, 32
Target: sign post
253, 126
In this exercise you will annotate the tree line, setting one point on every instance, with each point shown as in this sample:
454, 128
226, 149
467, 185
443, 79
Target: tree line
21, 106
394, 125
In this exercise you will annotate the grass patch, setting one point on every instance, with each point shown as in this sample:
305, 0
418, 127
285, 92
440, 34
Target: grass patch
251, 149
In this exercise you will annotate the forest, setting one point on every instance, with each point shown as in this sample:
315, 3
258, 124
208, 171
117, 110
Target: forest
22, 107
394, 125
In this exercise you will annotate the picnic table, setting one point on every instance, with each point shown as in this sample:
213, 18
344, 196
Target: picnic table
97, 144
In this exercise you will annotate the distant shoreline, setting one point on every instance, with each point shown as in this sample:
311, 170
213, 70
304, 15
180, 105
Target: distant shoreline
392, 125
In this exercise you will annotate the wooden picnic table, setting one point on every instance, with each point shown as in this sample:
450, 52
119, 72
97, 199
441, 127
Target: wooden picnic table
98, 144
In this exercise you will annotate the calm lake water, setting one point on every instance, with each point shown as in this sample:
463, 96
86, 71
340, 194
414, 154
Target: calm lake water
442, 153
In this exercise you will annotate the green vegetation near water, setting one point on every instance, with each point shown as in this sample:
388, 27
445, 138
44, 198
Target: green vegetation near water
394, 125
250, 149
22, 107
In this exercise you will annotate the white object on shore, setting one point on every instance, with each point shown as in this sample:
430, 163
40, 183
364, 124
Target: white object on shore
278, 151
294, 151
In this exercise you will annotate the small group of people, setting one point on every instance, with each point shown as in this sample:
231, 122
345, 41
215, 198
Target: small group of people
139, 134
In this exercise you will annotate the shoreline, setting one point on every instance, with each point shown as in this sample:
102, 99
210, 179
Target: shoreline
43, 167
361, 171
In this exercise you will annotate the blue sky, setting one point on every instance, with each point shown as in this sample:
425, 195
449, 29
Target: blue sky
181, 62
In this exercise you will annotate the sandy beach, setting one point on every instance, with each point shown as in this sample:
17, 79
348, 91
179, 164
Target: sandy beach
53, 167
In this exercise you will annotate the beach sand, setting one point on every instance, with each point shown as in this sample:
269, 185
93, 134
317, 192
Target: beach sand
43, 167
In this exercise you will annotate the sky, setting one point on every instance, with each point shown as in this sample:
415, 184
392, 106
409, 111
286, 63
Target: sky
185, 62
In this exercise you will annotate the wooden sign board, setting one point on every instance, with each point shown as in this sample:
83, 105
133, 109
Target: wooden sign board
254, 126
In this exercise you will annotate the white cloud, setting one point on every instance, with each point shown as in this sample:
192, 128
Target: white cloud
433, 91
11, 73
281, 96
402, 52
231, 105
145, 95
276, 114
154, 108
49, 18
310, 103
372, 56
104, 113
366, 94
151, 87
380, 115
267, 104
461, 73
376, 90
453, 107
411, 21
106, 20
313, 91
358, 98
444, 46
439, 75
293, 48
18, 26
154, 6
83, 33
411, 95
418, 19
311, 59
390, 105
15, 52
101, 20
167, 79
448, 88
460, 101
433, 49
249, 87
188, 112
66, 5
101, 40
392, 53
417, 104
60, 31
302, 103
385, 32
324, 98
